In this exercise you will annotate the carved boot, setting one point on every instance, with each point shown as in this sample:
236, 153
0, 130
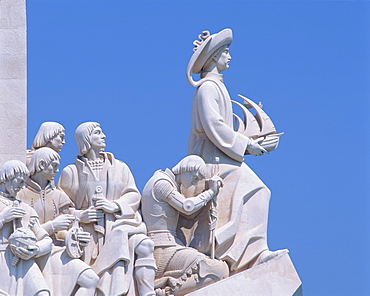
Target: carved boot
144, 273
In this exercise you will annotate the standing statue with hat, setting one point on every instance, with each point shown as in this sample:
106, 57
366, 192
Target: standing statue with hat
242, 204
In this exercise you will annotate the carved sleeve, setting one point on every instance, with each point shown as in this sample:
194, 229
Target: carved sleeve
211, 106
164, 191
67, 181
44, 242
129, 200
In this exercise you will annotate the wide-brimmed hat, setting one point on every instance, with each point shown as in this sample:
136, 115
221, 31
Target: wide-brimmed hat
205, 47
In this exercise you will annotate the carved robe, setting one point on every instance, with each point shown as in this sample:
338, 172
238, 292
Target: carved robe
60, 271
124, 230
244, 200
25, 278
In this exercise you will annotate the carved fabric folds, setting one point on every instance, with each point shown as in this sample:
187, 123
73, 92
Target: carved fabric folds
121, 230
60, 271
24, 279
244, 200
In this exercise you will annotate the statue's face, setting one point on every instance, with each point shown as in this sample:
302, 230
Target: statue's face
50, 170
57, 142
189, 178
223, 59
97, 138
13, 186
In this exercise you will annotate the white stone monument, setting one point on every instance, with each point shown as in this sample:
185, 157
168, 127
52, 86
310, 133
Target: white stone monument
231, 229
13, 75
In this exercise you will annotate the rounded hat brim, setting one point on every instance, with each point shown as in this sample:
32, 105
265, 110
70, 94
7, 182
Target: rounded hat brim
207, 48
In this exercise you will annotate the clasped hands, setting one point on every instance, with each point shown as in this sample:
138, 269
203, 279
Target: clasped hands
215, 183
96, 213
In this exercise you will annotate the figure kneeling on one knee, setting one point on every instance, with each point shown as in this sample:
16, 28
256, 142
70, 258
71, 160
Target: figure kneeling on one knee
180, 269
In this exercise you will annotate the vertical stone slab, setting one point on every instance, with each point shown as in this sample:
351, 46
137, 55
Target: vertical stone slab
13, 83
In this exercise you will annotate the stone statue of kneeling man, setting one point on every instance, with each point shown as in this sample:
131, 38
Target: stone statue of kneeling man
180, 269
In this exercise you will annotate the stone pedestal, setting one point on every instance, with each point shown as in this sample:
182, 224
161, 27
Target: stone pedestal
276, 277
13, 85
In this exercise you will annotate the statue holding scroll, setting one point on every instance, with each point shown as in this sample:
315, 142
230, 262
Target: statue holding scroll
243, 203
107, 202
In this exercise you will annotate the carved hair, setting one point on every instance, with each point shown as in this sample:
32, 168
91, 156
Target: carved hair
11, 168
45, 154
190, 163
47, 131
82, 136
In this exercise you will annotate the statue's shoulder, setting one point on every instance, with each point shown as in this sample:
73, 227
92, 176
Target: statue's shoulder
69, 169
209, 86
61, 198
208, 83
114, 161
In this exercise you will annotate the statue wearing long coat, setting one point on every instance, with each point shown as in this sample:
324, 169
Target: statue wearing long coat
244, 200
113, 260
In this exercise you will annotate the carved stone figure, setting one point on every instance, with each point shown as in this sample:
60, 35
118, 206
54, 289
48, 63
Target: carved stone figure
180, 269
243, 202
22, 239
50, 134
53, 206
104, 192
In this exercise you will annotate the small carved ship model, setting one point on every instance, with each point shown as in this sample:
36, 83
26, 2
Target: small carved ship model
257, 126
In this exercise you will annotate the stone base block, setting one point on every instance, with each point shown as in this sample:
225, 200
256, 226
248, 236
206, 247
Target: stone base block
276, 277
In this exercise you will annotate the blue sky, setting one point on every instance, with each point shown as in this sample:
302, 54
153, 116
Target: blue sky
122, 63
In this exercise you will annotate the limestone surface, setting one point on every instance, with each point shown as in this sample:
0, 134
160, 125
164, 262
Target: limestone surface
13, 84
276, 277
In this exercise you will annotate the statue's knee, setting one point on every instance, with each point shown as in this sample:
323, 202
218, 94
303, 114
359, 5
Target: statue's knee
42, 293
145, 248
88, 279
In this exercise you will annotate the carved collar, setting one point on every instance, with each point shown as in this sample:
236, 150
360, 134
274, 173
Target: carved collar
212, 76
32, 185
8, 200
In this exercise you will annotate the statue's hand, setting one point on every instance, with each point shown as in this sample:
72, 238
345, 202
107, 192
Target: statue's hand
215, 183
91, 215
254, 147
62, 222
11, 213
83, 238
28, 253
107, 206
